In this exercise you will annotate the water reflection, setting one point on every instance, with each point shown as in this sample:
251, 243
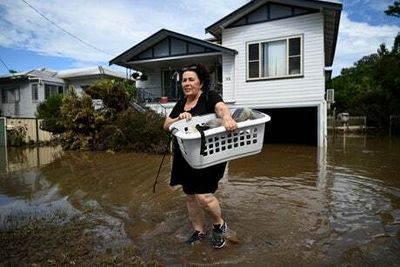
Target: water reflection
364, 196
20, 169
289, 205
299, 162
15, 159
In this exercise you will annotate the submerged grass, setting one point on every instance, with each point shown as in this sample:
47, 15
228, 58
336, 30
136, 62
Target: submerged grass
43, 243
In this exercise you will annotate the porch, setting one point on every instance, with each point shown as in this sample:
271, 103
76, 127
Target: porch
157, 62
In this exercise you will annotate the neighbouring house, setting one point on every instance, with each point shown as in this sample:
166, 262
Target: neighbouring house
22, 92
270, 55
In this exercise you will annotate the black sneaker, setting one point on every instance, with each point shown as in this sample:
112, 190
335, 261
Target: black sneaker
195, 237
218, 235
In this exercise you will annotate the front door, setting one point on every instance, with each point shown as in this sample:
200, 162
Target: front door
170, 84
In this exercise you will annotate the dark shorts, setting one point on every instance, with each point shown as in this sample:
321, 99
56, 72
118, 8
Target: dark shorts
195, 181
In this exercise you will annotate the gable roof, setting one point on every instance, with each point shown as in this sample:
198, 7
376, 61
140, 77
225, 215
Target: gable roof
126, 58
331, 10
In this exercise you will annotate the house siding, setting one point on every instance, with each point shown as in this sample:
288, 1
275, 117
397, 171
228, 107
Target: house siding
307, 90
228, 78
25, 107
153, 83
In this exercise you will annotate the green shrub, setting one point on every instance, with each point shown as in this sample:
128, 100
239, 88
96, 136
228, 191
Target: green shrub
135, 131
77, 112
117, 126
49, 111
115, 94
79, 120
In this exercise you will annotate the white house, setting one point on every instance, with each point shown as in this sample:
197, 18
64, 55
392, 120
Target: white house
22, 92
270, 55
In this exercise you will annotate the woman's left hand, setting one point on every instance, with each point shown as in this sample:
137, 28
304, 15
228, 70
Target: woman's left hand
224, 113
229, 123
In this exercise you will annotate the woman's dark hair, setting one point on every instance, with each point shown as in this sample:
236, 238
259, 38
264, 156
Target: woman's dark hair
202, 73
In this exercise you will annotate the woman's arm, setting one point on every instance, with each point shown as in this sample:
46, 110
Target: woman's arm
224, 113
168, 121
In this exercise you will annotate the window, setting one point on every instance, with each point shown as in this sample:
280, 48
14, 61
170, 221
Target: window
10, 95
35, 92
274, 59
52, 89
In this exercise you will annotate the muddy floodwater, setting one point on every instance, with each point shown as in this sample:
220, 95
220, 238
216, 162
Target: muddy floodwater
290, 205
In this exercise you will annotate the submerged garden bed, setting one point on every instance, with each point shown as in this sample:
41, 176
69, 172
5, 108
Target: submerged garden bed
59, 241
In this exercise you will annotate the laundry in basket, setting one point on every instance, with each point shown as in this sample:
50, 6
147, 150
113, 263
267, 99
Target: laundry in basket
212, 146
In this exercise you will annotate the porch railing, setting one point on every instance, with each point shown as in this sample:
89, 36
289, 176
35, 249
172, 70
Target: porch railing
145, 95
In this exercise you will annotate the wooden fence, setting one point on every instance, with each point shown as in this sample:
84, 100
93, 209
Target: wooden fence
32, 126
3, 132
354, 123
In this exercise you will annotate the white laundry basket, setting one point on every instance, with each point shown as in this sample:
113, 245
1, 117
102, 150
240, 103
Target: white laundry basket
219, 145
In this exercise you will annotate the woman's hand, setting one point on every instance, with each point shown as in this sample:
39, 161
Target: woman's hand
229, 123
185, 116
224, 113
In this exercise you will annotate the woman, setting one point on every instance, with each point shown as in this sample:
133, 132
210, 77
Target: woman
199, 185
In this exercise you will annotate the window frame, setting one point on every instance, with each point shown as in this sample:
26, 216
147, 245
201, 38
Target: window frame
35, 100
52, 93
11, 90
287, 57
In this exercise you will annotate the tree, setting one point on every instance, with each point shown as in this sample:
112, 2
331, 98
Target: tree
371, 87
396, 45
77, 112
393, 10
116, 95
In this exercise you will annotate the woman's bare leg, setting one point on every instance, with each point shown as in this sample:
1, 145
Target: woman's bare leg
196, 213
211, 205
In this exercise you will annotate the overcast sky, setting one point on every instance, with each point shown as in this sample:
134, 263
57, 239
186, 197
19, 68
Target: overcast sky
102, 29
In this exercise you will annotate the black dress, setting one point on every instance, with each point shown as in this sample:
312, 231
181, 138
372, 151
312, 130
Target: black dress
195, 181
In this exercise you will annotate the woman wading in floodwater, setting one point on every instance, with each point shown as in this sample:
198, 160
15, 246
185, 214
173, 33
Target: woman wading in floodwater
199, 185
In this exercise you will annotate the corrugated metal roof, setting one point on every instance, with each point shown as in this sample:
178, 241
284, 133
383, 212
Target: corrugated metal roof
61, 76
91, 71
43, 74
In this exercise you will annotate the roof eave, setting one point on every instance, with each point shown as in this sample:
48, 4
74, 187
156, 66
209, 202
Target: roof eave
121, 60
129, 51
13, 78
215, 29
333, 41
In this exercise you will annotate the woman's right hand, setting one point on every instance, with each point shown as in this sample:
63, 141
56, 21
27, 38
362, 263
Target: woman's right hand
185, 116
